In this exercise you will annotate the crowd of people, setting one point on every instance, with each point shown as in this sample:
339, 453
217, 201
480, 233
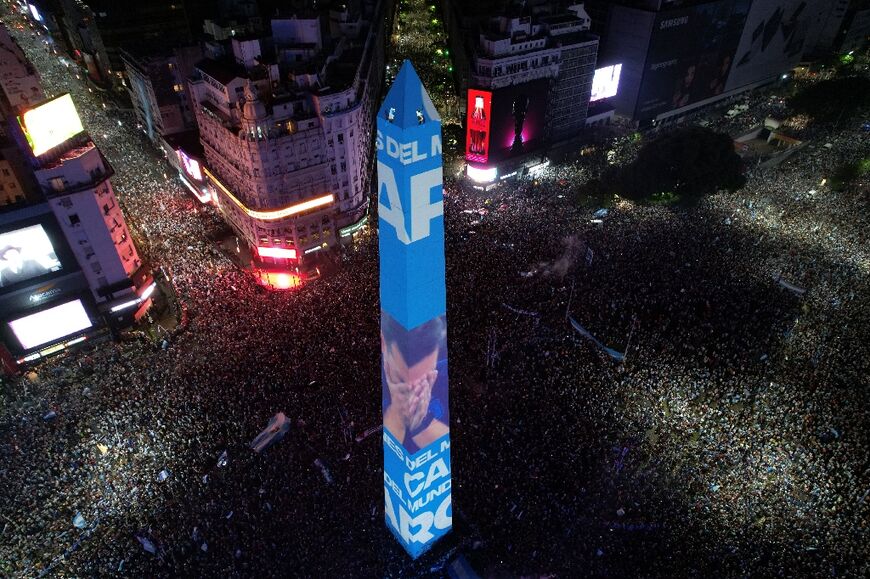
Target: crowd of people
730, 441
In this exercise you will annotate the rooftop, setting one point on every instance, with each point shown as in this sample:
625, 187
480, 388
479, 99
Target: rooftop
222, 71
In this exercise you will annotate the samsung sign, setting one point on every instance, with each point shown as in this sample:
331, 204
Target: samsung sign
673, 22
413, 340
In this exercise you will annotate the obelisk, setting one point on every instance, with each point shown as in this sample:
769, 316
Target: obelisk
417, 479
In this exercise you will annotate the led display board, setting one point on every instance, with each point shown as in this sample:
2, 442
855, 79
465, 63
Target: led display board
50, 124
519, 114
414, 382
690, 55
191, 166
277, 252
605, 83
477, 123
479, 175
52, 324
774, 40
26, 253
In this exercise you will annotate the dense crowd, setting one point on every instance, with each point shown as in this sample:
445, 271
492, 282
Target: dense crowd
731, 441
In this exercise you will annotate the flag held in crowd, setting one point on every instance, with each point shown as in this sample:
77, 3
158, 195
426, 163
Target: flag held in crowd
798, 291
147, 544
585, 333
274, 432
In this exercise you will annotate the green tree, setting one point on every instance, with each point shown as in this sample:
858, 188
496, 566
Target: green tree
689, 163
832, 99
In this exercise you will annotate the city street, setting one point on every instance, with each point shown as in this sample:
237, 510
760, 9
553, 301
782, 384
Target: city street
730, 442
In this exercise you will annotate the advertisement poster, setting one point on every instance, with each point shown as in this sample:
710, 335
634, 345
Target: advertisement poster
477, 134
690, 56
519, 115
25, 254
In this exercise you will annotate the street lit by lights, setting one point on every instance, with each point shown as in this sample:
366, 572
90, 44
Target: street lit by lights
280, 280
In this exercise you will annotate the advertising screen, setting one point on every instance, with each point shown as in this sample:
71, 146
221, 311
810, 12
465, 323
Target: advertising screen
413, 336
518, 119
50, 124
477, 134
51, 324
690, 55
605, 83
773, 40
191, 166
416, 442
24, 254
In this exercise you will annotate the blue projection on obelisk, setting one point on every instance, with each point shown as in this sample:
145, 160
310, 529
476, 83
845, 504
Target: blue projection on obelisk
413, 316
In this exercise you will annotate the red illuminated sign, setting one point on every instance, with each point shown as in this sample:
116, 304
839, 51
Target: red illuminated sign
477, 122
278, 252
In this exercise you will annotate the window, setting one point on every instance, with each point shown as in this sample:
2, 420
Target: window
74, 219
340, 138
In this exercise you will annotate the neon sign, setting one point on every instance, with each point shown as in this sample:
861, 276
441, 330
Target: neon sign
477, 132
273, 214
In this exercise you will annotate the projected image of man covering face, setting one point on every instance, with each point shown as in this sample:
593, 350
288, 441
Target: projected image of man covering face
414, 376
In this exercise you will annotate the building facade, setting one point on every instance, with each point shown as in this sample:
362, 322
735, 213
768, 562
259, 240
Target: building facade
68, 266
157, 84
287, 134
679, 56
530, 83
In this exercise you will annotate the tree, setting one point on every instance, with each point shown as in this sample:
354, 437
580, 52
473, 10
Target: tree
832, 99
689, 162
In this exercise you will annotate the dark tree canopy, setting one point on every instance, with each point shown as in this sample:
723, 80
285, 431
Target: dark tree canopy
836, 98
689, 162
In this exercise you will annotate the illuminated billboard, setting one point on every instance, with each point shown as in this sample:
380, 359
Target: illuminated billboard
50, 124
277, 252
477, 122
52, 324
414, 381
479, 175
25, 254
519, 115
690, 55
605, 83
774, 40
191, 166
